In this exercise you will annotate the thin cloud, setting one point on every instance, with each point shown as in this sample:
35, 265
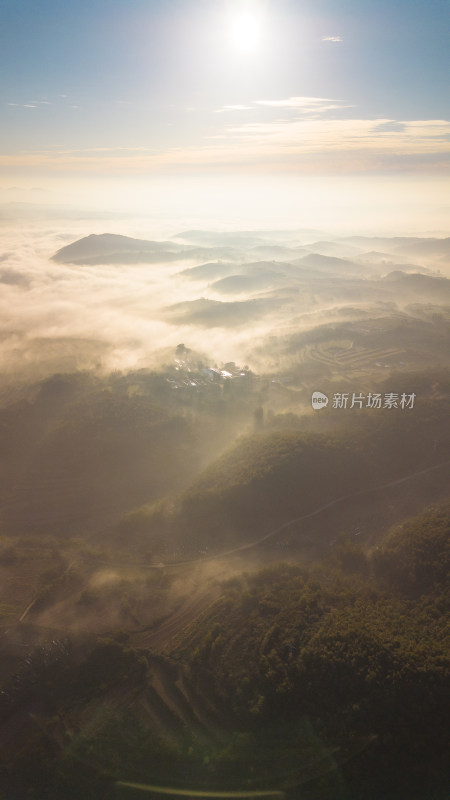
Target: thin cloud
31, 104
299, 143
295, 102
232, 108
332, 39
390, 126
309, 107
61, 150
347, 134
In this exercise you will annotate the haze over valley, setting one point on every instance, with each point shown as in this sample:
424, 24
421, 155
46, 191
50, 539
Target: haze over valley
162, 465
224, 400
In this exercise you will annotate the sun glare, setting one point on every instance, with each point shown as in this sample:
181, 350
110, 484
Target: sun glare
245, 32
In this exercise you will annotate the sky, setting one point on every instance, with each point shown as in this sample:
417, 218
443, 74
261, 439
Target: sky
263, 108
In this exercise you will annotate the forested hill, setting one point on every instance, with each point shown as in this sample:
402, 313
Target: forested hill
301, 679
276, 475
352, 657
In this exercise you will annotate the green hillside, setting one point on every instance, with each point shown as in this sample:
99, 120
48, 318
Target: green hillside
279, 474
347, 651
299, 679
80, 450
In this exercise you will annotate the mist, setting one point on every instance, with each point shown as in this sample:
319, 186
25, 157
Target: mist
62, 316
169, 491
224, 400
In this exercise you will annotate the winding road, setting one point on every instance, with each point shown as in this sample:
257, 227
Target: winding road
276, 531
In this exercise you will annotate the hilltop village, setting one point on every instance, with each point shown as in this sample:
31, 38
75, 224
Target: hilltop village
188, 375
187, 372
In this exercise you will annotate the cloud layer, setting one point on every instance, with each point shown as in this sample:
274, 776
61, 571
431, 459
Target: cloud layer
302, 134
63, 317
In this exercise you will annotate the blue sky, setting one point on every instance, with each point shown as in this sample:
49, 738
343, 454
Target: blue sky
142, 87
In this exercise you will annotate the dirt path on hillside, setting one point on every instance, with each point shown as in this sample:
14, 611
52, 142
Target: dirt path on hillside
317, 511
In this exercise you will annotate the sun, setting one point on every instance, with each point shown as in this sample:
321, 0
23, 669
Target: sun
245, 32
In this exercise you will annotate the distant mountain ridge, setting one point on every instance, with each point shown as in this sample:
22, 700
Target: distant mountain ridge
425, 285
112, 248
105, 244
422, 246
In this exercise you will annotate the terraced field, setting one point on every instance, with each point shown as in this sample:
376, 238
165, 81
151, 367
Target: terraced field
162, 638
347, 357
